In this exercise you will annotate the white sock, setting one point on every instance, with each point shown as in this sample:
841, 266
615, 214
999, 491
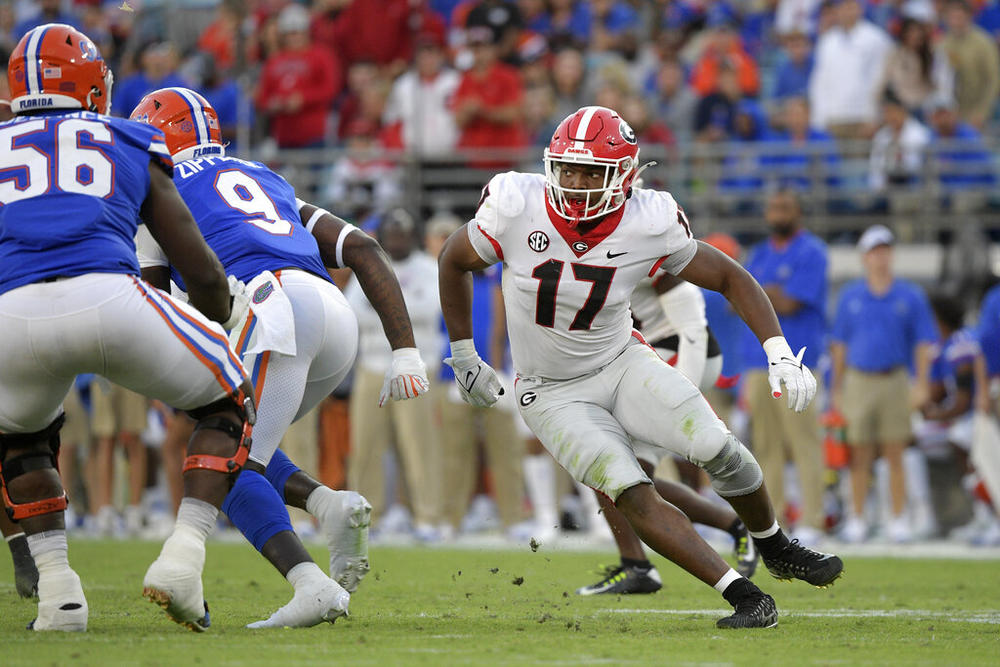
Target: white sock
197, 516
540, 480
49, 549
729, 577
773, 530
304, 574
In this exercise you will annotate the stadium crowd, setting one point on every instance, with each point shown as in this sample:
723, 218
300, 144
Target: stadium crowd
800, 79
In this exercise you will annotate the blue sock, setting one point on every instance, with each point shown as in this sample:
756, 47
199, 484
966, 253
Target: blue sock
256, 509
279, 470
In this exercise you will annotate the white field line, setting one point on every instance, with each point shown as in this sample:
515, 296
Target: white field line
991, 616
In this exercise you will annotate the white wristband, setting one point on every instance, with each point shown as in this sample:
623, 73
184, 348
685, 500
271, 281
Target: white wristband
776, 347
463, 349
406, 354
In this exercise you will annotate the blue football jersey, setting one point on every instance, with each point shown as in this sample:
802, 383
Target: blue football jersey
248, 215
71, 185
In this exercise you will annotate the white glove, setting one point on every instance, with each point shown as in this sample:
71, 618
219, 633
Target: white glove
240, 305
406, 378
784, 367
477, 382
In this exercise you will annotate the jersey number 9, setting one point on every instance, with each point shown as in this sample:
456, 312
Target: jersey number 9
243, 193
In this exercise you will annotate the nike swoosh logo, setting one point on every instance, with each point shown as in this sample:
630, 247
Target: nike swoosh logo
793, 362
689, 339
612, 255
470, 378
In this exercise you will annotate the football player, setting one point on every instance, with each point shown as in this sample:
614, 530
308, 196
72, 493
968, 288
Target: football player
670, 313
75, 184
574, 244
299, 340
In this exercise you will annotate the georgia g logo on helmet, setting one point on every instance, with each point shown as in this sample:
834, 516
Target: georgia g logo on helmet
594, 137
628, 134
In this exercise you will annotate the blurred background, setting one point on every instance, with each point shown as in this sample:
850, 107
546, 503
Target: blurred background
835, 117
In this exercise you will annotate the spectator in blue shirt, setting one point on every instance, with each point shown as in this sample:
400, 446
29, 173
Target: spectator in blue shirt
728, 329
796, 153
49, 11
962, 161
791, 266
158, 69
883, 327
791, 77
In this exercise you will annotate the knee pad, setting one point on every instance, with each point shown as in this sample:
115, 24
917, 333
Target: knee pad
279, 470
242, 405
42, 454
734, 471
256, 509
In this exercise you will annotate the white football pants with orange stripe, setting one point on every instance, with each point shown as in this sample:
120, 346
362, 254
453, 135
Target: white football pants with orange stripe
114, 325
326, 342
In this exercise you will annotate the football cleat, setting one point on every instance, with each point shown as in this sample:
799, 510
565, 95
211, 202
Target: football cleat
799, 562
746, 554
345, 517
755, 610
624, 581
323, 603
61, 605
175, 585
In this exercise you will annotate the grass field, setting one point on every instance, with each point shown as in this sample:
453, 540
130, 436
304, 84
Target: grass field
444, 606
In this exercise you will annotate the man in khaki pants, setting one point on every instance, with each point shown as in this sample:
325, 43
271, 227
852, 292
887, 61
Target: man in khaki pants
883, 327
119, 415
791, 266
408, 424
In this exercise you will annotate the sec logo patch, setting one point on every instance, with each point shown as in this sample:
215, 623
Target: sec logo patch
538, 241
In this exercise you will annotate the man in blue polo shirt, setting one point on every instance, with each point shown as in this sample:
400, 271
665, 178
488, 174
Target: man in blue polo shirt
791, 266
884, 325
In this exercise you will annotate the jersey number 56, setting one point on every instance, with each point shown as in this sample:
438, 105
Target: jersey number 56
80, 166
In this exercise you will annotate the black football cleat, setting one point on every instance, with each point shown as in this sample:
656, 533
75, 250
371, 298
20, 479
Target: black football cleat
799, 562
625, 581
754, 610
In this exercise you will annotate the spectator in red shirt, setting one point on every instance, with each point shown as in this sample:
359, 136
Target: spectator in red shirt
488, 100
298, 84
381, 31
723, 47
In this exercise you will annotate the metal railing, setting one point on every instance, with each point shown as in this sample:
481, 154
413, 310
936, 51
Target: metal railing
722, 186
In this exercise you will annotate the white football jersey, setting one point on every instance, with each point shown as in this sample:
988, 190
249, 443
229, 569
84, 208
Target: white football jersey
567, 295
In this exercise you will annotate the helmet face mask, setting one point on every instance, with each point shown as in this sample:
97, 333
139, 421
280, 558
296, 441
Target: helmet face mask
55, 66
593, 138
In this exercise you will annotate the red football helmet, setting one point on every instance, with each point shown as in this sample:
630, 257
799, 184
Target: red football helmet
594, 136
55, 66
188, 121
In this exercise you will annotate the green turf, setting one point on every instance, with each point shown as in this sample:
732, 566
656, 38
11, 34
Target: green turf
441, 606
